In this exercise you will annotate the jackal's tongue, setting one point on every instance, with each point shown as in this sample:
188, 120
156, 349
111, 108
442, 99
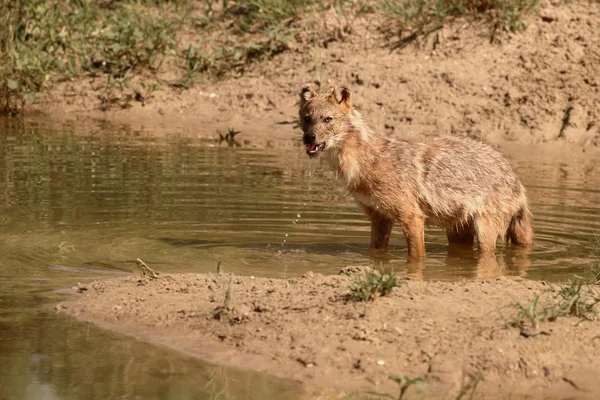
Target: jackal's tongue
311, 147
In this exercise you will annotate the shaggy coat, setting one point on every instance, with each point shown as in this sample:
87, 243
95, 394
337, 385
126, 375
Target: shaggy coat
460, 184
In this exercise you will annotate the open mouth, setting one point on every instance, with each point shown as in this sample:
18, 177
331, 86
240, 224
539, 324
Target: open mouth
314, 149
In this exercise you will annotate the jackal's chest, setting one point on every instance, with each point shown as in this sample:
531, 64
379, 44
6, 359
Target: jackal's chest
364, 199
368, 201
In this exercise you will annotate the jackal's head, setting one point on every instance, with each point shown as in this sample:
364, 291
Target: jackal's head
324, 118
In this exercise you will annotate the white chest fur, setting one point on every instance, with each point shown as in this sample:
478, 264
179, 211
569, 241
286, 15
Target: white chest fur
364, 199
370, 202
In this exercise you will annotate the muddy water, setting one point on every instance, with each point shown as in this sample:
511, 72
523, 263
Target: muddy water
83, 201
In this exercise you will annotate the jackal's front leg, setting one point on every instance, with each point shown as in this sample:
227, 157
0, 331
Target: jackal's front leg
381, 228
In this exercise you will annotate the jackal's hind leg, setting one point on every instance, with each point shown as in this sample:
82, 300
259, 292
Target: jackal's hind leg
414, 232
487, 234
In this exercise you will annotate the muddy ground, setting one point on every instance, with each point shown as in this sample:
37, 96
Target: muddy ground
456, 336
532, 87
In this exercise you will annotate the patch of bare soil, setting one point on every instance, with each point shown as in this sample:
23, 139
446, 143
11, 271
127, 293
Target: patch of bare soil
538, 86
454, 335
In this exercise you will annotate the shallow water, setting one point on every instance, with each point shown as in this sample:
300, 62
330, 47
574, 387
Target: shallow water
81, 201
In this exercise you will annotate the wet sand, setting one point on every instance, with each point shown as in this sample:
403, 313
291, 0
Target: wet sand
459, 337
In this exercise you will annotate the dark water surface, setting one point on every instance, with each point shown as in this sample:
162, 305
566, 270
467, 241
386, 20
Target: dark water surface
83, 201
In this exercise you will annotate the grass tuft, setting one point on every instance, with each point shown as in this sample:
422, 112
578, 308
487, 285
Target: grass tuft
372, 284
533, 312
575, 299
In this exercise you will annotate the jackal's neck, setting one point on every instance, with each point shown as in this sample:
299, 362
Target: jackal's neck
354, 152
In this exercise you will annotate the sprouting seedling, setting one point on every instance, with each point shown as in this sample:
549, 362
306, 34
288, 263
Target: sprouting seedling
219, 269
228, 293
404, 382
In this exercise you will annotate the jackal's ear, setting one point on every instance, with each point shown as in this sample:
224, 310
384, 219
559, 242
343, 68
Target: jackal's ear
343, 98
307, 93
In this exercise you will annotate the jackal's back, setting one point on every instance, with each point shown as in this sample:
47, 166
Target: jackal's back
461, 178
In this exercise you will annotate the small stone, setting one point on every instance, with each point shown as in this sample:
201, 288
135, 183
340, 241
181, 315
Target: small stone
548, 15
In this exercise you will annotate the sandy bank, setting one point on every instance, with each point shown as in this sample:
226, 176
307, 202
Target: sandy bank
456, 336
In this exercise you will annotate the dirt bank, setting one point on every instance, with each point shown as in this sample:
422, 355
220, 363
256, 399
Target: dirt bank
456, 336
537, 86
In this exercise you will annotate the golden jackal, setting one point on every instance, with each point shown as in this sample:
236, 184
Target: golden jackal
460, 184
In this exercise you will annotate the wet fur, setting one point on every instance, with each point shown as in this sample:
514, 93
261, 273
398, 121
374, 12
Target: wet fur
459, 184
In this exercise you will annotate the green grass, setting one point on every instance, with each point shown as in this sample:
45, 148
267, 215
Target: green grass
122, 45
255, 30
422, 16
46, 41
577, 300
372, 284
533, 312
573, 300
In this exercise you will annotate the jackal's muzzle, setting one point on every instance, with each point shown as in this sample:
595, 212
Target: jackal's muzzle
312, 147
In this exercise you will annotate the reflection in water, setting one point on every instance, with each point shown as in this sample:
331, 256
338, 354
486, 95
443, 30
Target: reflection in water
79, 202
509, 262
47, 357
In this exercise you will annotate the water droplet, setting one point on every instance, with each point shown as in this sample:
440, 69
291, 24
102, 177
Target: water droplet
286, 235
299, 215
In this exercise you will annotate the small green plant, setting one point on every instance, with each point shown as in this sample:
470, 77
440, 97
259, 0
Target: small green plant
577, 300
373, 283
404, 382
534, 312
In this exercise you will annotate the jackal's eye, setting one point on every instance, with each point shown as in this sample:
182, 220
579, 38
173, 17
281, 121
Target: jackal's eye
327, 119
307, 119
